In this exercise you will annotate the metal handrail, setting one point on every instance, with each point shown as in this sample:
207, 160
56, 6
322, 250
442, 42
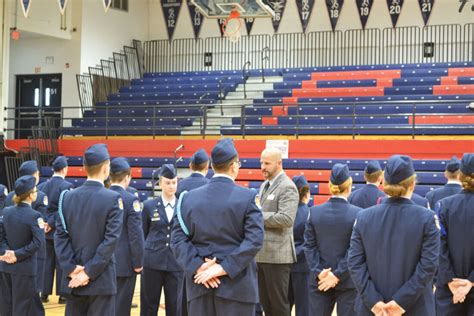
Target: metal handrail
265, 51
246, 75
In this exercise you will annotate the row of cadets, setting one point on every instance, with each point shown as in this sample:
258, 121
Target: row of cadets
21, 238
30, 168
161, 271
53, 189
87, 234
130, 249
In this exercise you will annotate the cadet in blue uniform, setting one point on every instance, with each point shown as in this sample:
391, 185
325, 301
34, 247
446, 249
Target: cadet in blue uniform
160, 269
327, 238
3, 196
30, 168
53, 189
199, 166
368, 195
217, 233
452, 187
298, 293
87, 234
21, 237
454, 294
394, 250
129, 252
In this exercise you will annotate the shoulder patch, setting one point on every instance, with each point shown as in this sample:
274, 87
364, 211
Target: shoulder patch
120, 203
137, 206
257, 201
136, 194
437, 221
41, 222
45, 200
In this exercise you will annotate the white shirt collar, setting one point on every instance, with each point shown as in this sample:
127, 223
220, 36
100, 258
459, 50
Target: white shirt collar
339, 197
454, 182
223, 176
117, 185
95, 180
165, 202
58, 175
374, 184
276, 177
199, 172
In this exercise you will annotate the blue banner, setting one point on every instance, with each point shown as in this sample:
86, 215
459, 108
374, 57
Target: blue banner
196, 18
364, 7
171, 12
334, 11
62, 6
394, 9
25, 5
426, 6
278, 7
305, 7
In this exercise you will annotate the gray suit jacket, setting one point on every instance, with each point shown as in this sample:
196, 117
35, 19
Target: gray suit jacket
279, 206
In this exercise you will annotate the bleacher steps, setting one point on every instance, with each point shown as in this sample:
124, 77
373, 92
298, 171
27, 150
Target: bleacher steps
238, 95
269, 79
255, 87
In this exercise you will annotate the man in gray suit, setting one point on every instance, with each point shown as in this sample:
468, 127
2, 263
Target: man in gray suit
279, 200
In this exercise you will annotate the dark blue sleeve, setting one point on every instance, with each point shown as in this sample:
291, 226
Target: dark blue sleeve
135, 235
63, 248
38, 239
445, 271
425, 270
104, 252
40, 206
242, 256
3, 240
146, 220
311, 249
359, 271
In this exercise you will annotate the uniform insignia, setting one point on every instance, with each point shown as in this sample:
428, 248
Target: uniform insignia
437, 221
120, 203
41, 223
136, 206
5, 191
45, 200
156, 216
257, 201
136, 194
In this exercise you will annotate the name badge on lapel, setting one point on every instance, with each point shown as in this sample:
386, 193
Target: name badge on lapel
271, 197
156, 216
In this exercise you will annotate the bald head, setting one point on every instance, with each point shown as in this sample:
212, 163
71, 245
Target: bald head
271, 163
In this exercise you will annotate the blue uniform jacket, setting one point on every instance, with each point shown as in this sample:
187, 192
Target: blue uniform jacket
298, 233
327, 238
457, 235
53, 189
393, 256
21, 230
157, 230
447, 190
366, 196
195, 180
130, 248
224, 222
419, 200
93, 216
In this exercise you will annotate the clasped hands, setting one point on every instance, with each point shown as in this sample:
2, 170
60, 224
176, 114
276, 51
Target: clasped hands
208, 273
387, 309
460, 288
78, 277
9, 257
327, 280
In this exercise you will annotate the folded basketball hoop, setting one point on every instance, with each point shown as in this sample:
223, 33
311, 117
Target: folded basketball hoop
231, 26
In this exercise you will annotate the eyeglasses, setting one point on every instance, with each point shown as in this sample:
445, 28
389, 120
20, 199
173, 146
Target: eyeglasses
238, 163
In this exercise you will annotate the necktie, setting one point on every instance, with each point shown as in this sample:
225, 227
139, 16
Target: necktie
265, 188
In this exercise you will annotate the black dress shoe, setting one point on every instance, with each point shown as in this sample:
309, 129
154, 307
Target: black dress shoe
134, 305
62, 300
44, 299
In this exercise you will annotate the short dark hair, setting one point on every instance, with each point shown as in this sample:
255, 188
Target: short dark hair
225, 166
199, 167
372, 177
94, 170
119, 176
303, 191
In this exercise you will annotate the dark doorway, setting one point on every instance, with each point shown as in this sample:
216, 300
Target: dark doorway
37, 97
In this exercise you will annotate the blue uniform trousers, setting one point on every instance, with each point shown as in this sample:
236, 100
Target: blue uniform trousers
182, 299
19, 296
322, 303
445, 306
98, 305
123, 300
152, 282
40, 274
298, 293
51, 265
210, 305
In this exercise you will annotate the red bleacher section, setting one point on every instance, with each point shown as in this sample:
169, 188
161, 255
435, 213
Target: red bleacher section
449, 84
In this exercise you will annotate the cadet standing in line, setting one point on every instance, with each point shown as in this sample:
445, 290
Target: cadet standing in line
30, 168
454, 294
370, 193
327, 239
199, 166
21, 237
453, 186
160, 269
298, 293
130, 249
394, 250
87, 234
217, 233
53, 189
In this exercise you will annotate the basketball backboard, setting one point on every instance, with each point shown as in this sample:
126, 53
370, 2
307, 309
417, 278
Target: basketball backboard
220, 9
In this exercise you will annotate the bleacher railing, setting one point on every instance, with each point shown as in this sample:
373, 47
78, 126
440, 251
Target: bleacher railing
202, 126
452, 42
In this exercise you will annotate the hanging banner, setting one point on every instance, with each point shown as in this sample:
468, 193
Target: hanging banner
394, 9
25, 5
221, 22
334, 10
426, 6
278, 7
171, 12
249, 24
305, 7
107, 4
196, 18
62, 6
364, 7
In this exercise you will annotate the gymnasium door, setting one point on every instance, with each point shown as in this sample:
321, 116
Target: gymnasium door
37, 97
